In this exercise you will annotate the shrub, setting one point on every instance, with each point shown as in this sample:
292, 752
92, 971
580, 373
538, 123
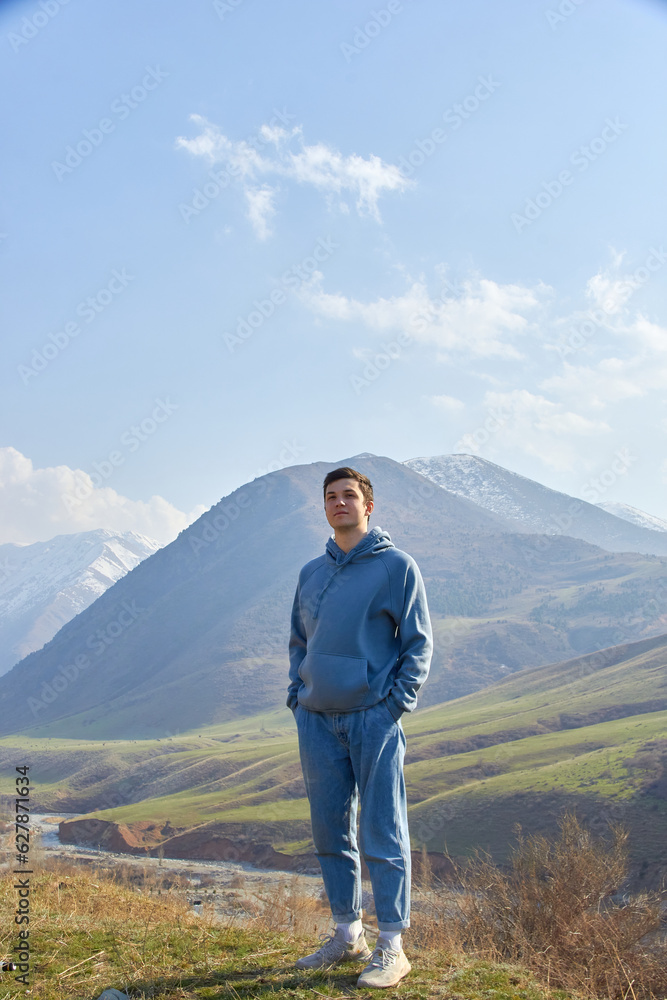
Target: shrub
557, 909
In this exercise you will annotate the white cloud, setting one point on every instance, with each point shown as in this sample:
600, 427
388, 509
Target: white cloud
608, 292
637, 367
260, 209
450, 404
284, 154
36, 504
481, 321
649, 337
610, 382
532, 425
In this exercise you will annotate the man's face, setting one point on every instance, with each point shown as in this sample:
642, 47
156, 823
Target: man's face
344, 505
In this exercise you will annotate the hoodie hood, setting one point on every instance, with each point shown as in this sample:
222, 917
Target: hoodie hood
375, 541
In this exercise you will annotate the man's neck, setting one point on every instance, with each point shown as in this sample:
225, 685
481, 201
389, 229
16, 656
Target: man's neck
346, 540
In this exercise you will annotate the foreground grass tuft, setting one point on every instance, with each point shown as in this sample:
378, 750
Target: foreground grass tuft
551, 927
90, 931
558, 909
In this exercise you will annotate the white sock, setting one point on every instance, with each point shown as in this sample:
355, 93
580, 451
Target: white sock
350, 932
390, 940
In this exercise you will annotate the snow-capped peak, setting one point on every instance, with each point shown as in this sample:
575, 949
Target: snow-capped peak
633, 515
45, 584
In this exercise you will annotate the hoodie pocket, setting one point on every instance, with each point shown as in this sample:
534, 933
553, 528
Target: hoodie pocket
333, 683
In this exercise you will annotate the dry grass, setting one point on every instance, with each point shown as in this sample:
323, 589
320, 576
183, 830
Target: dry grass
90, 930
547, 924
286, 908
559, 911
133, 929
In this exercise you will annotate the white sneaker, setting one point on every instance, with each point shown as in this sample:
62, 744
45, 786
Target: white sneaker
335, 949
386, 968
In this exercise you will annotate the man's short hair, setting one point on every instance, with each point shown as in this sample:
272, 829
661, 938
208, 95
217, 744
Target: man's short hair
345, 472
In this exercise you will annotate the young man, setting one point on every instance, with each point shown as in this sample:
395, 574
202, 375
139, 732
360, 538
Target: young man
360, 649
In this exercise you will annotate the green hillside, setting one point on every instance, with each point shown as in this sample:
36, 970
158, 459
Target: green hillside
588, 734
196, 635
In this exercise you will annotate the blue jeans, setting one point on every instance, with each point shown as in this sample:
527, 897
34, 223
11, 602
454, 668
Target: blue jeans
345, 757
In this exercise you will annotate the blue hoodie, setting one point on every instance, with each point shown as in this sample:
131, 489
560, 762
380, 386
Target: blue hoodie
361, 631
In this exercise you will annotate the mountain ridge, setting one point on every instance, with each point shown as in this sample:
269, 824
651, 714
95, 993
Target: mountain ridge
45, 584
633, 515
588, 735
537, 508
198, 632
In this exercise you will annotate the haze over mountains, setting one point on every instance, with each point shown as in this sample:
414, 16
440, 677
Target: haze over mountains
197, 633
587, 736
534, 507
633, 515
46, 584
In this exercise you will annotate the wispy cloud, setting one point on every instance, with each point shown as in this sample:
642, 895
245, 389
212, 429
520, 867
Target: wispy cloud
284, 155
551, 415
530, 424
448, 404
483, 320
596, 388
260, 209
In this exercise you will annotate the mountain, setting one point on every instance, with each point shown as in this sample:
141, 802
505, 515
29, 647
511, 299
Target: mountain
197, 633
633, 515
44, 585
587, 735
536, 508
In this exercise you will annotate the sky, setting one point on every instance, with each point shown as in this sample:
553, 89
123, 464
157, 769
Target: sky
238, 235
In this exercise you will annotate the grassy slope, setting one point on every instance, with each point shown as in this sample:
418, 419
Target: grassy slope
496, 607
584, 733
90, 933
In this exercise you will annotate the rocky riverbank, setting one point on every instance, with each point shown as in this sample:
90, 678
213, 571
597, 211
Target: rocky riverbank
210, 842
